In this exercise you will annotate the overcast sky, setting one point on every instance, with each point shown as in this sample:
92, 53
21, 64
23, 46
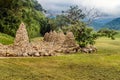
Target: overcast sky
109, 7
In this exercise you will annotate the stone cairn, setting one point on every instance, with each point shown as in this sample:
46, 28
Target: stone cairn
62, 43
21, 42
53, 44
21, 38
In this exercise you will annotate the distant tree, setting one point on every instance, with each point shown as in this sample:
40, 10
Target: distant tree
61, 21
68, 17
84, 35
45, 27
91, 15
108, 33
74, 14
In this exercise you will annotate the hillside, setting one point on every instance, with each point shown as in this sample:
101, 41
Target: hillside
13, 12
6, 39
99, 23
114, 24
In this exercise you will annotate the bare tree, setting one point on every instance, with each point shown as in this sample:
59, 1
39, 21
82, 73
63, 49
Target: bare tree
91, 14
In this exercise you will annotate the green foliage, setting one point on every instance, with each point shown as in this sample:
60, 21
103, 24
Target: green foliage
84, 35
46, 26
74, 14
69, 17
108, 33
61, 21
70, 21
13, 12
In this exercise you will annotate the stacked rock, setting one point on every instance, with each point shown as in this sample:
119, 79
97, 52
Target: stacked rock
69, 40
62, 43
21, 39
21, 42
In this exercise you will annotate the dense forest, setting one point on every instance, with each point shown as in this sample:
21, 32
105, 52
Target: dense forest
13, 12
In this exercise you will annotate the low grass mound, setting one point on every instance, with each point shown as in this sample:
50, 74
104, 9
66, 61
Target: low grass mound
6, 39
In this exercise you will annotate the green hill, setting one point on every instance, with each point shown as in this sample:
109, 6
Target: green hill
114, 24
6, 39
13, 12
99, 23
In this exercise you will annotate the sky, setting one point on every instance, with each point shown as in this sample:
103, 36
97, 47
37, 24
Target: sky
107, 7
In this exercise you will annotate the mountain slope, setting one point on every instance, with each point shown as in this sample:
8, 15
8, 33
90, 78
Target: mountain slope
13, 12
99, 23
114, 24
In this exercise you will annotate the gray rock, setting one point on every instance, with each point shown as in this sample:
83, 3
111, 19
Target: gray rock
36, 54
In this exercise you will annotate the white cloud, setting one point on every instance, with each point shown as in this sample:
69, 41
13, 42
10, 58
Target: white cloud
110, 7
55, 4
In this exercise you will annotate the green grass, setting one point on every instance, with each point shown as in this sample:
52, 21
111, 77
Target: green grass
6, 39
118, 35
103, 65
71, 67
108, 46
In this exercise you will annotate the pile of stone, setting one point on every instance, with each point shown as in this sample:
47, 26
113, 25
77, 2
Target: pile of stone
54, 37
89, 49
25, 48
2, 50
53, 44
62, 43
69, 40
7, 50
22, 46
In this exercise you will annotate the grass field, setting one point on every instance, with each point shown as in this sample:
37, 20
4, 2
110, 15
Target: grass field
102, 65
6, 39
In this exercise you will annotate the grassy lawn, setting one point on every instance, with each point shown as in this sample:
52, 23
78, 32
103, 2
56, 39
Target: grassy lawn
103, 65
6, 39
